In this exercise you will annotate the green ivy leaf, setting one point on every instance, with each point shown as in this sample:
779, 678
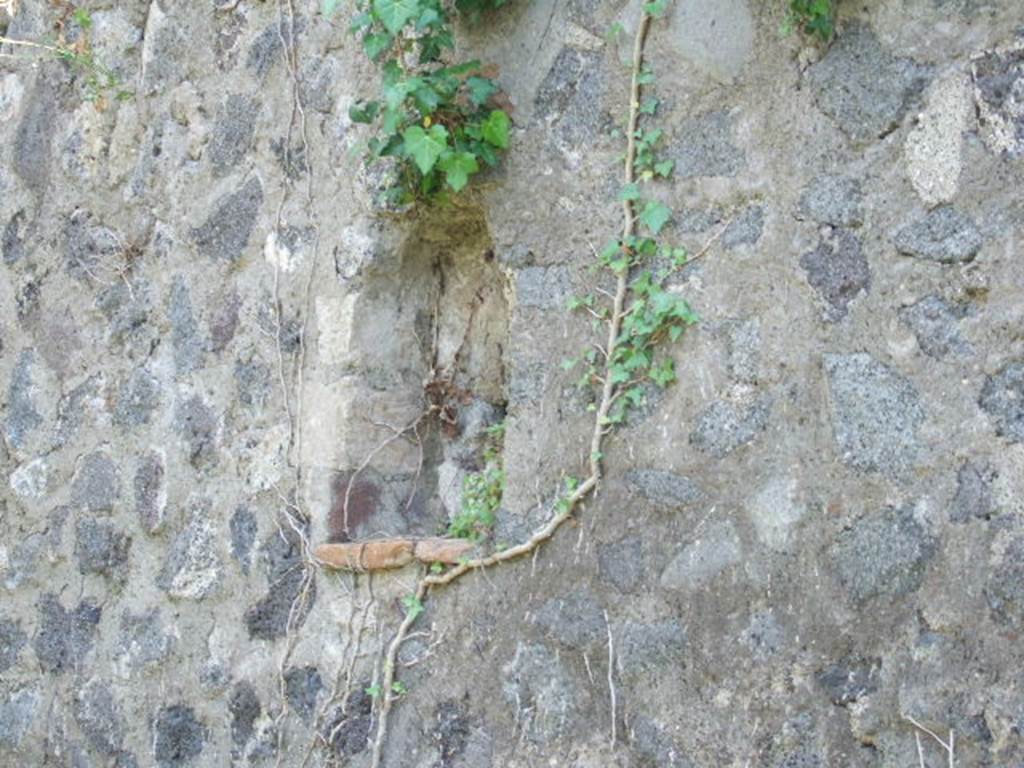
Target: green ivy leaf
376, 44
458, 167
664, 168
425, 146
629, 192
655, 215
656, 8
394, 14
650, 105
480, 89
328, 7
495, 129
364, 112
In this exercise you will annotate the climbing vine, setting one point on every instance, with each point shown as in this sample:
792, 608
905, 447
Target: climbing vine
437, 120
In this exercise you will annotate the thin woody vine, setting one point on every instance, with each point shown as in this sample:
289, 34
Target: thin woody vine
437, 124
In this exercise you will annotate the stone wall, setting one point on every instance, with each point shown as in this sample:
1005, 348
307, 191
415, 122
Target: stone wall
209, 334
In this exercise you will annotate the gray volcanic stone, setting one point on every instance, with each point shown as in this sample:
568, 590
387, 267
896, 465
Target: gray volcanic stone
142, 641
699, 561
655, 747
245, 708
75, 406
17, 713
538, 688
268, 618
622, 564
138, 398
746, 228
543, 287
12, 243
999, 88
225, 234
22, 416
232, 133
266, 48
664, 488
150, 494
944, 234
100, 547
763, 636
849, 679
725, 426
934, 322
63, 638
348, 727
576, 621
743, 350
1002, 398
192, 569
243, 536
838, 270
95, 486
188, 345
99, 717
863, 87
646, 646
178, 736
33, 140
88, 244
253, 382
883, 555
703, 146
973, 500
876, 414
835, 200
302, 687
127, 312
12, 640
570, 95
196, 423
1005, 588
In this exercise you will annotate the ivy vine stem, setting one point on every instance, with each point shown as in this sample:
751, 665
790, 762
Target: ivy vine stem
565, 506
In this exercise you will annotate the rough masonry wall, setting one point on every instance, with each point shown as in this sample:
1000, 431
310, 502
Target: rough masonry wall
208, 331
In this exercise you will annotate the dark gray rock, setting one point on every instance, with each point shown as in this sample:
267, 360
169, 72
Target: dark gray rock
725, 426
664, 488
763, 636
150, 495
973, 500
849, 679
537, 687
266, 48
526, 382
452, 732
883, 554
99, 717
863, 87
876, 414
654, 747
743, 350
944, 234
223, 323
33, 140
569, 97
934, 322
745, 229
196, 423
543, 287
90, 247
999, 87
22, 417
838, 270
268, 618
127, 311
188, 345
703, 146
178, 736
347, 729
225, 234
802, 757
1005, 588
74, 407
142, 641
232, 133
22, 562
576, 620
12, 243
137, 399
164, 66
302, 687
17, 713
645, 647
622, 564
95, 486
243, 536
192, 569
100, 547
245, 709
699, 561
1002, 398
12, 640
835, 200
63, 638
252, 379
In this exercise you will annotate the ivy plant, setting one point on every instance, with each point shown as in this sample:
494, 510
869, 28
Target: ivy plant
440, 121
812, 17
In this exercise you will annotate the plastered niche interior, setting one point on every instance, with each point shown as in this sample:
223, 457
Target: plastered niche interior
424, 349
